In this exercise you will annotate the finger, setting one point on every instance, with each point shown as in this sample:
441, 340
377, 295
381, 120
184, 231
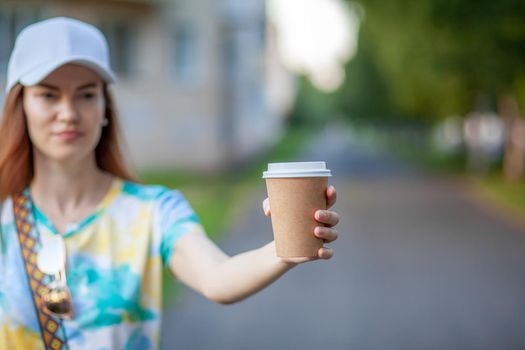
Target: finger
326, 233
331, 196
325, 253
266, 207
330, 218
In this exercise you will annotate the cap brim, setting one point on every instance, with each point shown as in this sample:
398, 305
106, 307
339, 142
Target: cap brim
38, 74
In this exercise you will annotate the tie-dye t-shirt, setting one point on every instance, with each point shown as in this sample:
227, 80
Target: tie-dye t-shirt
115, 259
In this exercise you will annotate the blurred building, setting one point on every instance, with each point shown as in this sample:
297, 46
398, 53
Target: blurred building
197, 78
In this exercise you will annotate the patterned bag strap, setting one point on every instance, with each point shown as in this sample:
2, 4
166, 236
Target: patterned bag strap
50, 327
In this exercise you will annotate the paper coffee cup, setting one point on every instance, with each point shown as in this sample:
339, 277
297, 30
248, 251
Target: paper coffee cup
296, 190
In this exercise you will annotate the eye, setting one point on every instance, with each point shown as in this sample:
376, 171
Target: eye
88, 95
48, 96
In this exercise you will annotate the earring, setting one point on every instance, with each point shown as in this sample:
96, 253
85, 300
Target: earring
105, 122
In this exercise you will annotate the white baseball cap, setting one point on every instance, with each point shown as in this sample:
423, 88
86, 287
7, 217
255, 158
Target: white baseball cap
44, 46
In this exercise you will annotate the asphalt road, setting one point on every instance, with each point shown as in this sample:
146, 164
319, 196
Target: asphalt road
419, 265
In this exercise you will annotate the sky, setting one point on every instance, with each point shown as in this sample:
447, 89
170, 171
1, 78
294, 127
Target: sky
315, 37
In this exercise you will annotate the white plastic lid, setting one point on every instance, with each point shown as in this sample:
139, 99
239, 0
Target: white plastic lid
297, 169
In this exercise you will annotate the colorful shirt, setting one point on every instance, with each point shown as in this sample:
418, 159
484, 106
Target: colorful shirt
115, 259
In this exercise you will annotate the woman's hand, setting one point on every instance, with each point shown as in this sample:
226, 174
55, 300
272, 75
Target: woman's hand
326, 231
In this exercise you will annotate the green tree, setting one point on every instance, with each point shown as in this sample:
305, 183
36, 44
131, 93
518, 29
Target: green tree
435, 58
312, 106
364, 96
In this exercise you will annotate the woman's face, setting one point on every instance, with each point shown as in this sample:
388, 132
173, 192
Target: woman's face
65, 113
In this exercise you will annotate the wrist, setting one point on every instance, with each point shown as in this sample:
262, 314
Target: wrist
287, 263
283, 263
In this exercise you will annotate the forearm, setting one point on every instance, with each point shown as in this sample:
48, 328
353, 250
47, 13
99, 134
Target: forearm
242, 275
200, 264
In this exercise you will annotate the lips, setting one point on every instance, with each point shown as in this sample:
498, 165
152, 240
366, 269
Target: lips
68, 135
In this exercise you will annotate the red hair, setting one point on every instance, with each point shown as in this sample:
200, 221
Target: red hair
16, 150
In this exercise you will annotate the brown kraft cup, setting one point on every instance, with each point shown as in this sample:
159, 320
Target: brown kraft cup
296, 191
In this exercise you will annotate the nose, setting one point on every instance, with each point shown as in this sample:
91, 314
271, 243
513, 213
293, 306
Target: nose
68, 112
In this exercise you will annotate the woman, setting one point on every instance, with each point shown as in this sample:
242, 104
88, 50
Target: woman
63, 183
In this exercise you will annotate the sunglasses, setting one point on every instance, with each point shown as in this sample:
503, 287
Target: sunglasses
51, 260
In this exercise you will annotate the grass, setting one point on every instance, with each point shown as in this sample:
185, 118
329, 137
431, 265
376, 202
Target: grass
510, 196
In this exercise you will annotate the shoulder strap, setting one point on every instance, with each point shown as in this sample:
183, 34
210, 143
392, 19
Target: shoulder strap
50, 327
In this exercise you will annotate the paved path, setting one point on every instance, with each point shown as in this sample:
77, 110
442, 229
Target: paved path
419, 265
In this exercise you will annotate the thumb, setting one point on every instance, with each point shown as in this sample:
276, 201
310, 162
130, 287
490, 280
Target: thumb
266, 207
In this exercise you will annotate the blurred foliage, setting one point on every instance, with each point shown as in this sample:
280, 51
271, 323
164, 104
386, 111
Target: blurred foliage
428, 59
508, 195
414, 145
312, 106
365, 95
